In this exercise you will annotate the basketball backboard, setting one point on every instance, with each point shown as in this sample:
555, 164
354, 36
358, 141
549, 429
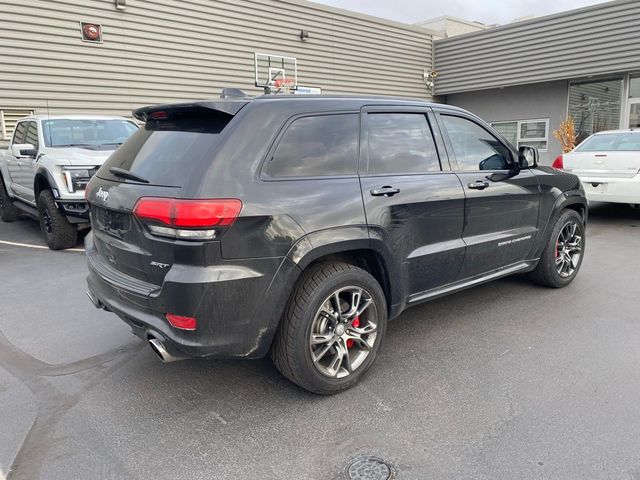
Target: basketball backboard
275, 73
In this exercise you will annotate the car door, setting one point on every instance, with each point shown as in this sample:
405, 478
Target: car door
502, 202
28, 165
414, 204
14, 164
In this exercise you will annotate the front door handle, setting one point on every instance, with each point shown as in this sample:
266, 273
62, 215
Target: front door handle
479, 185
384, 191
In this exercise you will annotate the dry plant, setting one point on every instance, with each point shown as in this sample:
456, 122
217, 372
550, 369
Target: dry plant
566, 134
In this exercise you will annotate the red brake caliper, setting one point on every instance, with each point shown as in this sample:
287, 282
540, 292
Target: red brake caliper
356, 324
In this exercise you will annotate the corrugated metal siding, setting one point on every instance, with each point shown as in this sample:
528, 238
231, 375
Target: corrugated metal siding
160, 51
590, 41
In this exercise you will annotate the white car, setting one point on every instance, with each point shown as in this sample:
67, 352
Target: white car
608, 164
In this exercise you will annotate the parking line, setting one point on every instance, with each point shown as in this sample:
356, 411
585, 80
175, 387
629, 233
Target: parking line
27, 245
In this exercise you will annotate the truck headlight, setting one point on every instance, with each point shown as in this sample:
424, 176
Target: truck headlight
77, 178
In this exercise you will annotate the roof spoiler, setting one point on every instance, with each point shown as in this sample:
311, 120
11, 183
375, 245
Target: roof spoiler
230, 106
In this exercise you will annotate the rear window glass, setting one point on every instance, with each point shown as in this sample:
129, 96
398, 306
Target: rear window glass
166, 152
317, 146
611, 142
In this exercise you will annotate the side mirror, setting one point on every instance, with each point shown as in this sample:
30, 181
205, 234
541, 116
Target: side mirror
23, 150
528, 157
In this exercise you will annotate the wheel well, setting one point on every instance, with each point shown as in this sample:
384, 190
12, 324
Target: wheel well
577, 207
369, 261
40, 184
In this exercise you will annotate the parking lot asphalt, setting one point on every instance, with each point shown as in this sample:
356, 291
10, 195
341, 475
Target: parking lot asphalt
504, 381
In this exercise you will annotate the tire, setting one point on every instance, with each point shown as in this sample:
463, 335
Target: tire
58, 232
557, 268
8, 211
309, 312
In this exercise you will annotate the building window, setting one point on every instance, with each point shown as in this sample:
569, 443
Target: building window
534, 133
595, 106
8, 119
634, 87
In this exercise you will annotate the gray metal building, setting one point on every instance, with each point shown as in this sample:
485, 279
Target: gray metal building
158, 51
526, 77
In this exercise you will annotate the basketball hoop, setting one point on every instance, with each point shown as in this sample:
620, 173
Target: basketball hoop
284, 85
276, 74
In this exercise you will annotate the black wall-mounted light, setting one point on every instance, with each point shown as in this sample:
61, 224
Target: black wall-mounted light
304, 35
121, 4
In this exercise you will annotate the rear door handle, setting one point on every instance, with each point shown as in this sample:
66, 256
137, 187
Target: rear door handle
479, 185
384, 191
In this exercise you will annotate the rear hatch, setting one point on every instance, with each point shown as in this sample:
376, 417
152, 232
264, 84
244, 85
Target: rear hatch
606, 155
161, 162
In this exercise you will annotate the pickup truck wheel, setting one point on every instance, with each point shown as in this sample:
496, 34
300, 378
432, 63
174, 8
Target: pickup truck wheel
58, 232
8, 211
332, 328
563, 254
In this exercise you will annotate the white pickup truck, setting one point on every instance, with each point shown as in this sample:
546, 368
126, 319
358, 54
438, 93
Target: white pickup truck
49, 162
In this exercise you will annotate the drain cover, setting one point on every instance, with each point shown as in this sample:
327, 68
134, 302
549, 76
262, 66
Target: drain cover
368, 468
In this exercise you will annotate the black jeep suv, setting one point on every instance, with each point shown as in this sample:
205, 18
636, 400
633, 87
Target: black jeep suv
299, 225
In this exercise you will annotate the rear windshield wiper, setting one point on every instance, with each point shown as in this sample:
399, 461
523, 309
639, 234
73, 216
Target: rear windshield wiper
122, 173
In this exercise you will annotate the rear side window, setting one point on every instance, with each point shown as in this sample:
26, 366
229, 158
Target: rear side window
401, 143
166, 152
322, 145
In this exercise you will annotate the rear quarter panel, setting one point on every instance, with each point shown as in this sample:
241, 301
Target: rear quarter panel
276, 213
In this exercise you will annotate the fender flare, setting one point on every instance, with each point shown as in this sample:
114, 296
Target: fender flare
339, 240
325, 242
5, 182
43, 173
564, 200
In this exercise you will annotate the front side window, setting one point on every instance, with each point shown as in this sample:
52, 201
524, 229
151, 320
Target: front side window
323, 145
474, 147
18, 134
401, 143
31, 137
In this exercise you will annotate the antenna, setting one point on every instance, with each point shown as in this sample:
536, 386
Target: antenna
49, 124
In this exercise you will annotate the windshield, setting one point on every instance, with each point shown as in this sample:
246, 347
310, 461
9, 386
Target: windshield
611, 142
86, 133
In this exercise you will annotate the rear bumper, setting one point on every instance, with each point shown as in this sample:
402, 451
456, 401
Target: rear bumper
613, 190
237, 304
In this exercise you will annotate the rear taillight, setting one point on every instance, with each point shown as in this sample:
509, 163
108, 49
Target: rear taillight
187, 219
558, 163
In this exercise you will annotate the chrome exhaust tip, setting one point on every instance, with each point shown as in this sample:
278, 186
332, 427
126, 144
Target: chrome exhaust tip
161, 351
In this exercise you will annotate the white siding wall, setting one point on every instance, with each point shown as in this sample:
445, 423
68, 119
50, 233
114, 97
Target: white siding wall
600, 39
160, 51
